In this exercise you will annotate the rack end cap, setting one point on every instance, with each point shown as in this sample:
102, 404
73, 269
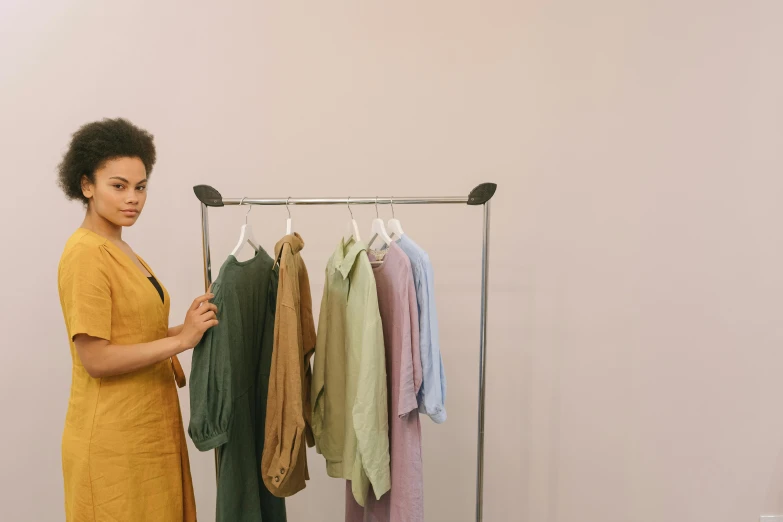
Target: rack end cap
482, 193
208, 195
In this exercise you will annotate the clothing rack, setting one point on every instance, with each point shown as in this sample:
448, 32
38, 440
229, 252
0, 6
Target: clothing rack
480, 195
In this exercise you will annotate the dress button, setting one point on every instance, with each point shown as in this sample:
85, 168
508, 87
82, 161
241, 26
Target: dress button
277, 479
282, 471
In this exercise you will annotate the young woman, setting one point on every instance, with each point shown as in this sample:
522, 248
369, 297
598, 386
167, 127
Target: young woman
123, 449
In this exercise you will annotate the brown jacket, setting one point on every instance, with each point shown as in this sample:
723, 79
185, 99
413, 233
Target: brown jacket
288, 411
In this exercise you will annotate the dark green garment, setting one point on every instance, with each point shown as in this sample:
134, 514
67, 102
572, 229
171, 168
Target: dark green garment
229, 380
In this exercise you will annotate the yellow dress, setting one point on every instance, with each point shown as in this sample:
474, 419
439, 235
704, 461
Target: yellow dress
124, 453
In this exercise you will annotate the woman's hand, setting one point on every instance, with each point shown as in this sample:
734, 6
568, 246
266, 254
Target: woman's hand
201, 316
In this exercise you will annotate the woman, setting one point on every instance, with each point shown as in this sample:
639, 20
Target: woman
123, 448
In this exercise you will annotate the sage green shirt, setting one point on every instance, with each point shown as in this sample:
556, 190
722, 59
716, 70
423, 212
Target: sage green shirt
349, 396
229, 382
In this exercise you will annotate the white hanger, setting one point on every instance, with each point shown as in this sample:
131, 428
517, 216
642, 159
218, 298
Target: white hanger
353, 228
246, 234
288, 221
393, 226
378, 229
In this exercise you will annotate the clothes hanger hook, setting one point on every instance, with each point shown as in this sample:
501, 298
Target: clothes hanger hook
286, 207
391, 202
376, 208
249, 208
349, 206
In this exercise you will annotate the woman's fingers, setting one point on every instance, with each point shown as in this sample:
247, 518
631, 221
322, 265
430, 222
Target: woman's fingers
200, 299
209, 323
205, 308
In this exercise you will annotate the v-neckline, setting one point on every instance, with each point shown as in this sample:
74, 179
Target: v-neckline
152, 275
135, 268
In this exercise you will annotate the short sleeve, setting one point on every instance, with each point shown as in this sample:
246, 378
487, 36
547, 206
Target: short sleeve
85, 292
211, 399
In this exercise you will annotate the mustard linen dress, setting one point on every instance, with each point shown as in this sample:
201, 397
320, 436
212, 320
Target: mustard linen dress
124, 453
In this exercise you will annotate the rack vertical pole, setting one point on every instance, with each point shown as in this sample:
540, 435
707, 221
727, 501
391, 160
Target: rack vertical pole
207, 274
482, 365
205, 246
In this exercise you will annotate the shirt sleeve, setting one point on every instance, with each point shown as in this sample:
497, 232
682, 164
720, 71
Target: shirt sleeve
85, 292
308, 346
285, 424
211, 394
370, 411
410, 364
319, 366
432, 395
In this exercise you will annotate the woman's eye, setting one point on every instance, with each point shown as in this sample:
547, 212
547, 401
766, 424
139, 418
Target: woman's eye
117, 186
143, 188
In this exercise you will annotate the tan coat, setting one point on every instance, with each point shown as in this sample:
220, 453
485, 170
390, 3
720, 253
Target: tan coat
288, 410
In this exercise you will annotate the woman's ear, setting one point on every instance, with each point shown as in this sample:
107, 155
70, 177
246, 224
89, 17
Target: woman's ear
87, 187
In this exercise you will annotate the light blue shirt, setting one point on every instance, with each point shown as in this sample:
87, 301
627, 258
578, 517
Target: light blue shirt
432, 395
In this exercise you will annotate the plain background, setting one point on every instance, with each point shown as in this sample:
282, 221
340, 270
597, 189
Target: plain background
635, 364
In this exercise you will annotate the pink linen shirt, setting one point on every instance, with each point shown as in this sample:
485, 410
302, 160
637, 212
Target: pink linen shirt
399, 315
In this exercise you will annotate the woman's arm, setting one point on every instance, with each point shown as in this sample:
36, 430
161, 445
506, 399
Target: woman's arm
103, 359
175, 330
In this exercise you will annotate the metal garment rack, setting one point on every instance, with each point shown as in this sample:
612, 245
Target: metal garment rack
480, 195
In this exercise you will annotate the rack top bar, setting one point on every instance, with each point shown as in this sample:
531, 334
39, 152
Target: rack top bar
212, 198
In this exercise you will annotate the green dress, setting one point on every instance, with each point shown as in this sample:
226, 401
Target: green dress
229, 379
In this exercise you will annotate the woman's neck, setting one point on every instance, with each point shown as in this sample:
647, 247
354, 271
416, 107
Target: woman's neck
102, 226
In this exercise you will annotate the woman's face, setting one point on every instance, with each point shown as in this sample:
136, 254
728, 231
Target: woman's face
119, 192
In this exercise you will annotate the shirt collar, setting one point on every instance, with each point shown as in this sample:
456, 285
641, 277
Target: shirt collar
295, 240
345, 256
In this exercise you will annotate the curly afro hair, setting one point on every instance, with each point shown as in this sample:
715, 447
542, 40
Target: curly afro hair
96, 143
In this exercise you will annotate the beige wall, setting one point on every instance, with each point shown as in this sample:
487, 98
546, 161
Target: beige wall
635, 333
